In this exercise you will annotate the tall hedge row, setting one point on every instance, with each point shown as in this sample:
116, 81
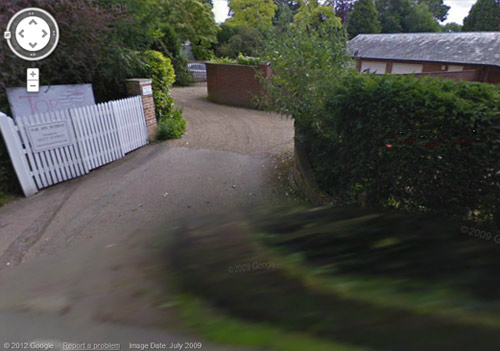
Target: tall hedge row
414, 144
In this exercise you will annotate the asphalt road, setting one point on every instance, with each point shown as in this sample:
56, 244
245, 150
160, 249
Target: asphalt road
76, 259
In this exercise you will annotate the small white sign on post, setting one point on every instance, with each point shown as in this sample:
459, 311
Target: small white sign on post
49, 136
147, 90
49, 99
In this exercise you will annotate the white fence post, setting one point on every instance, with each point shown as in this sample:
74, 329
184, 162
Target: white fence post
17, 155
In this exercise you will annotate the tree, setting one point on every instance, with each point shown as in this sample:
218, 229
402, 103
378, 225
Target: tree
364, 19
286, 10
392, 14
284, 16
483, 16
306, 59
235, 40
313, 13
194, 20
421, 19
437, 7
452, 27
252, 13
343, 8
191, 20
288, 6
406, 16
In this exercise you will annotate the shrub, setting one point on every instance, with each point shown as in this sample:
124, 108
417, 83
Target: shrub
247, 60
413, 144
161, 71
224, 60
241, 60
171, 127
305, 60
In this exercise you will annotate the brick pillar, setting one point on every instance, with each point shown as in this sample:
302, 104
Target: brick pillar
144, 88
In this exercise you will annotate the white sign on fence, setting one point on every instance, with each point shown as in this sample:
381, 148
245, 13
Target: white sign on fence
49, 99
147, 90
49, 136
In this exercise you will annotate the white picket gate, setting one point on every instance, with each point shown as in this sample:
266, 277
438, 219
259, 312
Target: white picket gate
91, 137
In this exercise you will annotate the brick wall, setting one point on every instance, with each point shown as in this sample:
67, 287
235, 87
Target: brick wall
494, 76
144, 88
470, 76
234, 85
472, 73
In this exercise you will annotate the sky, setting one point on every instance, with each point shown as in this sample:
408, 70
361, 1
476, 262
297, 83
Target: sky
459, 9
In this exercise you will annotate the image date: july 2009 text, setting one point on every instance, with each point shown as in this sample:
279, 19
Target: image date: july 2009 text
166, 346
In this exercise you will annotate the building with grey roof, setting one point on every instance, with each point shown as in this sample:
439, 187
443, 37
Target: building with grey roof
471, 56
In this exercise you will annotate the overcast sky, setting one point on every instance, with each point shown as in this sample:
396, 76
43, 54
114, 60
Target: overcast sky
459, 9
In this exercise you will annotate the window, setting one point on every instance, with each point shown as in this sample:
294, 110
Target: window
373, 67
455, 68
406, 68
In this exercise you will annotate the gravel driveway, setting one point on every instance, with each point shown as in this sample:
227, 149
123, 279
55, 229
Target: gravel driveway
64, 252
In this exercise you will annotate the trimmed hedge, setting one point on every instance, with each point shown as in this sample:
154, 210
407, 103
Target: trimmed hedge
414, 144
160, 69
171, 125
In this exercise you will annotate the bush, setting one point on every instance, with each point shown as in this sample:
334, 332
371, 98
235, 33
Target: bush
247, 60
414, 144
241, 60
305, 60
161, 71
171, 127
224, 61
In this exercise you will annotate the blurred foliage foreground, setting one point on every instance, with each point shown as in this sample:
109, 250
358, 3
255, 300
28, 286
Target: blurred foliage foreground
381, 281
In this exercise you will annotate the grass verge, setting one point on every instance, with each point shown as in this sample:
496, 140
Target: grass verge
215, 261
198, 315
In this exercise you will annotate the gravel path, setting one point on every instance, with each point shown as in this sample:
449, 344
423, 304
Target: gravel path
243, 131
74, 258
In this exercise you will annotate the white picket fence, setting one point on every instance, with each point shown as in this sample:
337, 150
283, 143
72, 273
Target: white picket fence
96, 135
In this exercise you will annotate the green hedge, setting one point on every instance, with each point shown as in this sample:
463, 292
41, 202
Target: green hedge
160, 69
414, 144
171, 125
240, 60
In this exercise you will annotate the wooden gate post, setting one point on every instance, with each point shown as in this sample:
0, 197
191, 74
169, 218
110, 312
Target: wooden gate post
144, 88
17, 155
